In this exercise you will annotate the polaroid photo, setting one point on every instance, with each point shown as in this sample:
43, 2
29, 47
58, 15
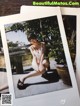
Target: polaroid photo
38, 60
3, 73
69, 16
70, 20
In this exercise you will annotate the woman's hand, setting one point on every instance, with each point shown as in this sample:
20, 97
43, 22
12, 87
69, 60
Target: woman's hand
37, 61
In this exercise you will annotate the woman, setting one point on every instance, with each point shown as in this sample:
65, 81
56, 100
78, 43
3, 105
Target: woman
39, 63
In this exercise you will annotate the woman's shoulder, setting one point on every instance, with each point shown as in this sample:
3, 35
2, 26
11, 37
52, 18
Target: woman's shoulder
31, 47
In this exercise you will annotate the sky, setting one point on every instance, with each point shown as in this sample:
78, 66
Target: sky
17, 36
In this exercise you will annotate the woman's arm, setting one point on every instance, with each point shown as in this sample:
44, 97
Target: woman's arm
43, 51
31, 50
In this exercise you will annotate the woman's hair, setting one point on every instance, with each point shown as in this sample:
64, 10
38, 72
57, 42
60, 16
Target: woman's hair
31, 37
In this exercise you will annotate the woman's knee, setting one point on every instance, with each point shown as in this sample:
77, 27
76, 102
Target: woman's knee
41, 71
45, 63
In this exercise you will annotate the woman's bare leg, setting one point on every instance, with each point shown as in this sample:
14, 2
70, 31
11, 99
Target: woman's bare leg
46, 64
4, 87
32, 74
42, 69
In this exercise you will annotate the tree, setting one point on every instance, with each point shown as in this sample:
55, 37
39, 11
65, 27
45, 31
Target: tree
46, 30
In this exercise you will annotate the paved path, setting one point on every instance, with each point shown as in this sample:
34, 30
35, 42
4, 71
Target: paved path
37, 88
